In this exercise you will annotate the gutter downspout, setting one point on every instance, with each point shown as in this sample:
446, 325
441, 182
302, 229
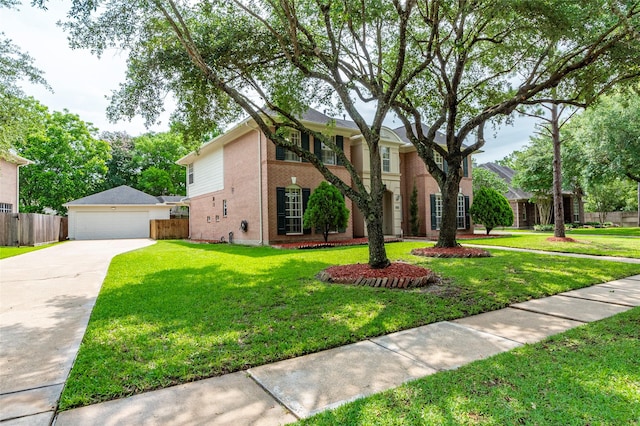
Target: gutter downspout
18, 186
260, 185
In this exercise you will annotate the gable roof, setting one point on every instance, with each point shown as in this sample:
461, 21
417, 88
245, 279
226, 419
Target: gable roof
506, 174
402, 133
121, 195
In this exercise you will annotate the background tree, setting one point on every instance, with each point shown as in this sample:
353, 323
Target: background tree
610, 133
69, 163
414, 212
16, 110
611, 196
491, 209
326, 210
154, 156
483, 178
121, 169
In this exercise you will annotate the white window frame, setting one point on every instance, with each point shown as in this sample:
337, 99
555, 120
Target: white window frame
460, 218
385, 152
293, 210
295, 138
328, 155
576, 210
224, 208
190, 178
438, 159
6, 208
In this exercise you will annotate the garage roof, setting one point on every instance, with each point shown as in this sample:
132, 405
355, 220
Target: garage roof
121, 195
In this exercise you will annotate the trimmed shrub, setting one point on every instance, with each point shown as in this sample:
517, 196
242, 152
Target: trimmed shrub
491, 209
326, 210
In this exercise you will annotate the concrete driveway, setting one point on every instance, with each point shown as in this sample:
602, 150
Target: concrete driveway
46, 298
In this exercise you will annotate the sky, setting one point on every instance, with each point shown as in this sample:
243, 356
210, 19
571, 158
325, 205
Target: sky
81, 81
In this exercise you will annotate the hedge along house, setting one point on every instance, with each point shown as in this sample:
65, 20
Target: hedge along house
243, 188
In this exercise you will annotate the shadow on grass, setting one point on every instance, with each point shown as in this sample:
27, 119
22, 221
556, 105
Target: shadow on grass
177, 323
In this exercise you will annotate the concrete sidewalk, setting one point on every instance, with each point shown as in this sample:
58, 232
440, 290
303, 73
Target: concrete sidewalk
46, 298
282, 392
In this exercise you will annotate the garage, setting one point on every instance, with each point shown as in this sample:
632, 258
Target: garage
121, 212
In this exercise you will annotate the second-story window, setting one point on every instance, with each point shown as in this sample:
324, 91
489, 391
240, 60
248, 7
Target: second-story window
190, 173
295, 138
386, 158
438, 159
328, 156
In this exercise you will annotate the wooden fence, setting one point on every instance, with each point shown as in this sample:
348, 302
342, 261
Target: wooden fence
31, 229
623, 219
169, 229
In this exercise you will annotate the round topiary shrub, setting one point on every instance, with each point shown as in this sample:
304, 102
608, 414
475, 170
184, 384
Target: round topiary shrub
491, 209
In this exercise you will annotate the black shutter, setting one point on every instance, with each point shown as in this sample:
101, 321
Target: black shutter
279, 152
467, 219
445, 166
317, 148
342, 230
305, 143
465, 167
432, 199
340, 144
306, 193
280, 208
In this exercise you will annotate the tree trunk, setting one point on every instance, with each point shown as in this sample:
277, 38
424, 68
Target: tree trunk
374, 213
558, 204
449, 224
377, 251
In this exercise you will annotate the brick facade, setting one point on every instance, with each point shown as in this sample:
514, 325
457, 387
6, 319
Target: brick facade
252, 173
413, 170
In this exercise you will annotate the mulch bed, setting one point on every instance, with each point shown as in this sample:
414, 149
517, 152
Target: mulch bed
452, 252
322, 244
397, 275
561, 240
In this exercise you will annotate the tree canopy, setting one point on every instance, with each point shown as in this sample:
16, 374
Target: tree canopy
483, 178
439, 66
16, 66
69, 163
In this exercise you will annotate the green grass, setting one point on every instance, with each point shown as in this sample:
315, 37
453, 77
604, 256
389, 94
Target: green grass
591, 244
176, 312
621, 232
15, 251
588, 375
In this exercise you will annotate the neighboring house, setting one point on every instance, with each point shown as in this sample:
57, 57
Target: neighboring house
242, 184
10, 164
121, 212
525, 213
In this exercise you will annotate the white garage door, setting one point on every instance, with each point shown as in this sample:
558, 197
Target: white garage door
108, 225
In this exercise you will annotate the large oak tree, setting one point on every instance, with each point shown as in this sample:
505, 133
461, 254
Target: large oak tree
438, 65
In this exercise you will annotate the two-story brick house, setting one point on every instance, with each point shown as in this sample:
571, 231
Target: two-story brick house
241, 183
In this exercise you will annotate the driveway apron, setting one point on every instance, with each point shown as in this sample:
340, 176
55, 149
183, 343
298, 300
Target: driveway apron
46, 298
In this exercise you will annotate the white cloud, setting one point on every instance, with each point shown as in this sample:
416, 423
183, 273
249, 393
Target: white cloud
81, 81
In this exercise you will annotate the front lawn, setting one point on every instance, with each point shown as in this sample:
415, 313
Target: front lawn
587, 244
176, 312
589, 375
621, 232
15, 251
